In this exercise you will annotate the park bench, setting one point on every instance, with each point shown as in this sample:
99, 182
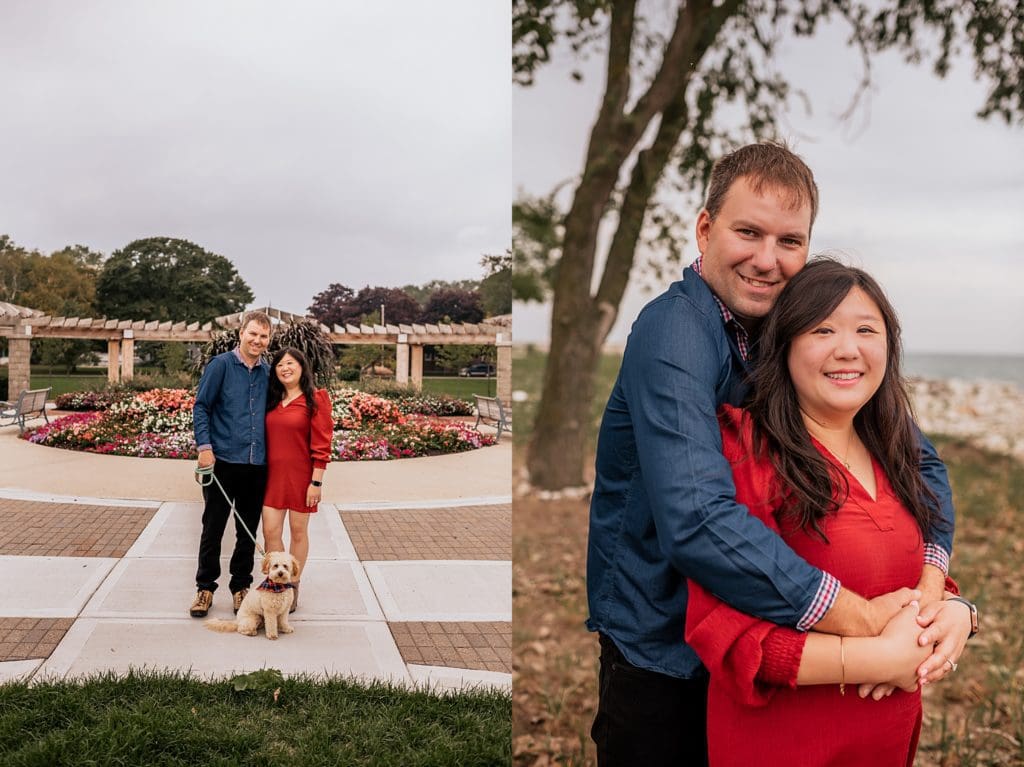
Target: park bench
31, 403
490, 410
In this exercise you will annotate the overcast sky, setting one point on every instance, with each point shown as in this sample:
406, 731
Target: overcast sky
308, 142
917, 190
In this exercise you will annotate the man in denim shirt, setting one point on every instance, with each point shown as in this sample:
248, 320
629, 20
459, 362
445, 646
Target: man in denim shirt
230, 407
663, 507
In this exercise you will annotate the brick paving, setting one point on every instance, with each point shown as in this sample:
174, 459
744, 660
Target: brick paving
27, 638
468, 532
483, 646
38, 528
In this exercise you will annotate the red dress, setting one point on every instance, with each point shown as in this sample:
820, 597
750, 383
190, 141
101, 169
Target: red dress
756, 713
296, 445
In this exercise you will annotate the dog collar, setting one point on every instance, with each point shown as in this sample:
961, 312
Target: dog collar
277, 588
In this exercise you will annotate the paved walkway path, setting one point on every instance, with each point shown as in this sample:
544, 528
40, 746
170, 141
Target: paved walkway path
408, 579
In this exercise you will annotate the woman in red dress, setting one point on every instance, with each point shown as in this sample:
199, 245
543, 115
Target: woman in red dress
299, 429
826, 454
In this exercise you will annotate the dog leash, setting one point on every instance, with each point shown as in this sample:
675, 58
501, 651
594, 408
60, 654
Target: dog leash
205, 477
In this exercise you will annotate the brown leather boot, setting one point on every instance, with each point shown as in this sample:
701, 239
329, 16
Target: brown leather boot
201, 604
237, 598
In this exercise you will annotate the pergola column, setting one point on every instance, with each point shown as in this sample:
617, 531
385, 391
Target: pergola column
113, 354
417, 367
402, 360
19, 353
504, 344
128, 356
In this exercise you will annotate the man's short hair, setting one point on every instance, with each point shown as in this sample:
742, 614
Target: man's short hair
260, 318
768, 164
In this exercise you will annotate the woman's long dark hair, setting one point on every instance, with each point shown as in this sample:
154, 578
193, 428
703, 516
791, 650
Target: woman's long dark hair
812, 486
275, 390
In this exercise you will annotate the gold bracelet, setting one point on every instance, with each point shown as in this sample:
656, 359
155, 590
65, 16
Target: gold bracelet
842, 668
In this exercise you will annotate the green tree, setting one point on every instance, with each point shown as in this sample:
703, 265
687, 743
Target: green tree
13, 267
62, 284
666, 80
354, 358
420, 293
452, 305
163, 278
496, 287
456, 356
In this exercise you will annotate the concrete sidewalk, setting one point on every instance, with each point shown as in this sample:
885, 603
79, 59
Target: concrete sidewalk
408, 579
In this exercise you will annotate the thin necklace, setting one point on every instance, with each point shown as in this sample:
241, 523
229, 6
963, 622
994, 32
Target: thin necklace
849, 441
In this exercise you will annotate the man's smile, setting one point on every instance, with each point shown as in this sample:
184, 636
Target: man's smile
757, 283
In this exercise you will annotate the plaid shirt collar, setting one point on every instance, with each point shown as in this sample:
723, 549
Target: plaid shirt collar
277, 588
728, 318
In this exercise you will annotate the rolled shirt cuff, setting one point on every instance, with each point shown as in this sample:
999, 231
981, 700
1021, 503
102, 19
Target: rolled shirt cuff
936, 555
828, 591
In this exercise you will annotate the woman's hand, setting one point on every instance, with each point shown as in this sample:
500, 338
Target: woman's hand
312, 495
947, 626
901, 649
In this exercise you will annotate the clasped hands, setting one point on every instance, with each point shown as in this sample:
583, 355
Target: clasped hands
918, 656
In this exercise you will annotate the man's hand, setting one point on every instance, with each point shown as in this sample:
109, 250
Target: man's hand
883, 608
206, 459
932, 585
947, 627
853, 616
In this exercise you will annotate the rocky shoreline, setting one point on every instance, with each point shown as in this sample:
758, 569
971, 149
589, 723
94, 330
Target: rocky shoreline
989, 414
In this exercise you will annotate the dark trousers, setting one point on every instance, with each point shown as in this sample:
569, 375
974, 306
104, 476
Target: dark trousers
245, 484
648, 718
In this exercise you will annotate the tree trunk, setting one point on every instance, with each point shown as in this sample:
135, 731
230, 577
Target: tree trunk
580, 322
560, 431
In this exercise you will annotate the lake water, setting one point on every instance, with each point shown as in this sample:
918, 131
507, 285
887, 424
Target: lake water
969, 367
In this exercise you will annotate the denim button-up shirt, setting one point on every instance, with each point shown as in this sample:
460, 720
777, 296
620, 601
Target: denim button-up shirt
231, 404
663, 507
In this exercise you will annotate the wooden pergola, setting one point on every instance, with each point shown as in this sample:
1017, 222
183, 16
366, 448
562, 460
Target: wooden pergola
20, 325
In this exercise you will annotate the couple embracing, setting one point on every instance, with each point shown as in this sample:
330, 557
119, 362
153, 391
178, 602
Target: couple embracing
266, 433
768, 525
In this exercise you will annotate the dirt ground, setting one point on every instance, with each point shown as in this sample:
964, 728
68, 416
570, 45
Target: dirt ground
554, 667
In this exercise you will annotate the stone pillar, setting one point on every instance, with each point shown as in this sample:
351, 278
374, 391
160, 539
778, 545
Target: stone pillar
417, 367
113, 366
128, 356
504, 343
19, 370
402, 361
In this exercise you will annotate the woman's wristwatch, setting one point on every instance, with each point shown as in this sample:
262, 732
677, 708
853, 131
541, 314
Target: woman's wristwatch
318, 483
974, 613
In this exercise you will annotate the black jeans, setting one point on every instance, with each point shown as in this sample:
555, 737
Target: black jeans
648, 718
245, 483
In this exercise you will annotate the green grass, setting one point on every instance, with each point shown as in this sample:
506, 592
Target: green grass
172, 719
463, 388
43, 376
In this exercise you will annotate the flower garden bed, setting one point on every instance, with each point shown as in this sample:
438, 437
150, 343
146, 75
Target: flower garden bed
158, 424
